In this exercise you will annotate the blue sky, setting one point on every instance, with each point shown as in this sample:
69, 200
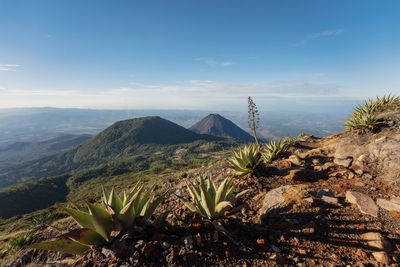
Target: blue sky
197, 54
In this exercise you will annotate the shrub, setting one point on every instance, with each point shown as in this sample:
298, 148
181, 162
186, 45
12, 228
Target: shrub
364, 116
21, 241
117, 213
273, 149
245, 160
211, 202
42, 219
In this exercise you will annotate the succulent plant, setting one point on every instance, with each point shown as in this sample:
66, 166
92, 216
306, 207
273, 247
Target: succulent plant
246, 159
364, 116
273, 149
97, 224
361, 121
209, 201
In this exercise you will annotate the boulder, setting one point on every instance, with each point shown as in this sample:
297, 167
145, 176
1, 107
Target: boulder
345, 162
274, 199
364, 203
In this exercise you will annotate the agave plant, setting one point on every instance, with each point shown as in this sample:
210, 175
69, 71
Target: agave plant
362, 121
273, 149
245, 160
364, 116
118, 214
209, 201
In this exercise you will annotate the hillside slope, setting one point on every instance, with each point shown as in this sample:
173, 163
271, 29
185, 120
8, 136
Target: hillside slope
122, 140
307, 209
215, 124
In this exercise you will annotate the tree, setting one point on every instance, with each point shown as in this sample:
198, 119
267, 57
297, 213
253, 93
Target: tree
254, 118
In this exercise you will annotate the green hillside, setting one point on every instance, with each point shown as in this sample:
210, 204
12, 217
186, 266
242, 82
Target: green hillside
142, 147
123, 144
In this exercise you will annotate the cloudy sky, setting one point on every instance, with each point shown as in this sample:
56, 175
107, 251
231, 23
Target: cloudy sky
196, 54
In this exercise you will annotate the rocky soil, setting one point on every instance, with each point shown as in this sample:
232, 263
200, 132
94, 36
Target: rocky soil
333, 201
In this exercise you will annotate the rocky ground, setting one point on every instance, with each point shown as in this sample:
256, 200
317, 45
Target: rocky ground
333, 201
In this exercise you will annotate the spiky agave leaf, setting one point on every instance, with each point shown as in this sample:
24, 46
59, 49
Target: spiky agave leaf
245, 160
273, 149
64, 245
364, 116
102, 220
84, 219
212, 201
75, 242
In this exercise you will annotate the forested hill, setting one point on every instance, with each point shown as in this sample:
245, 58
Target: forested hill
123, 144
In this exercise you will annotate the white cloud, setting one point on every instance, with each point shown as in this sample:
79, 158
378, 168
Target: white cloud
318, 74
308, 75
8, 67
213, 62
212, 88
319, 35
192, 94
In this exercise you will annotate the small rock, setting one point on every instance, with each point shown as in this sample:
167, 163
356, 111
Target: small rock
381, 257
367, 176
295, 160
302, 251
345, 162
275, 249
364, 203
308, 230
327, 166
188, 241
309, 200
139, 244
262, 243
165, 245
330, 200
136, 255
107, 252
324, 192
388, 205
317, 168
273, 199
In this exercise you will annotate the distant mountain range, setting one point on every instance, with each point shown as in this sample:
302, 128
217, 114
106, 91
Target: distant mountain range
215, 124
20, 152
28, 124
